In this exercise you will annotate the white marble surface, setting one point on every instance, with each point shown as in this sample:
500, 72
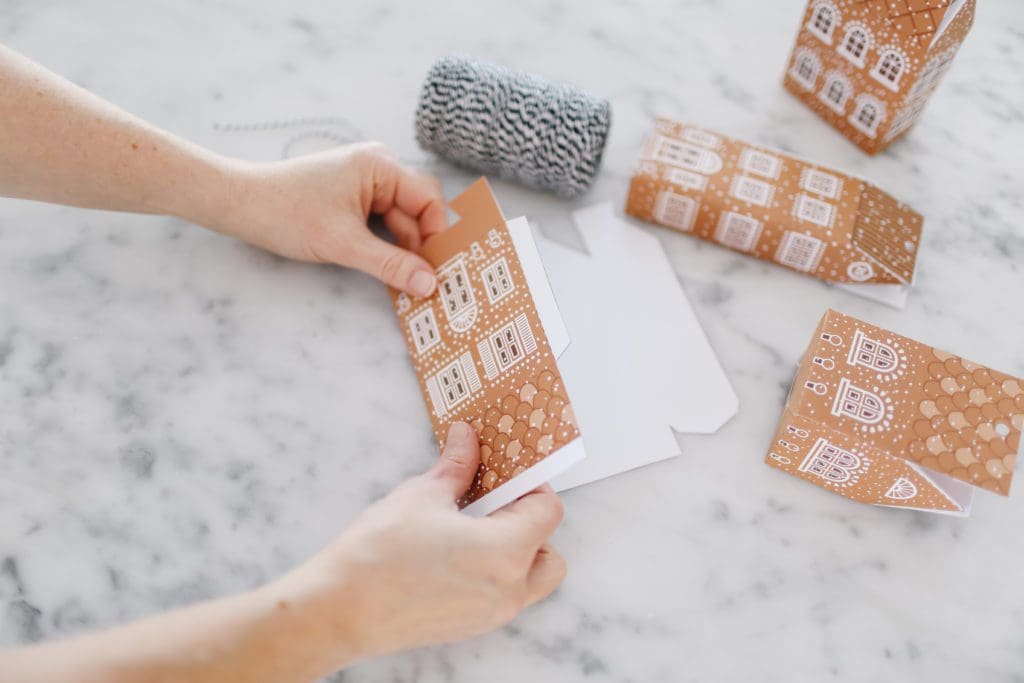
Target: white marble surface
182, 416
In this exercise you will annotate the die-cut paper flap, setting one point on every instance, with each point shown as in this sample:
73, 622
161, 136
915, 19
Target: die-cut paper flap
622, 300
849, 465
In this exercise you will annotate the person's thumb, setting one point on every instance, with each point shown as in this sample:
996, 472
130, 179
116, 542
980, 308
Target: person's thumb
394, 266
459, 461
545, 575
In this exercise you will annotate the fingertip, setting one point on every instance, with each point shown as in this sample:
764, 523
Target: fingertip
459, 459
422, 283
460, 434
547, 574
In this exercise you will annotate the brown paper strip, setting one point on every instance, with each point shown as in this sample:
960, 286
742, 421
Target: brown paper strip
479, 349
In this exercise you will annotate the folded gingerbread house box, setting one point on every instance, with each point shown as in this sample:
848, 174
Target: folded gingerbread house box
775, 207
868, 67
886, 420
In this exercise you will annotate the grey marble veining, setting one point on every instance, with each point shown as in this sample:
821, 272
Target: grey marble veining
182, 416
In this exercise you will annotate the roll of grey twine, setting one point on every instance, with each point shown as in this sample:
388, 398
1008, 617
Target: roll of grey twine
514, 125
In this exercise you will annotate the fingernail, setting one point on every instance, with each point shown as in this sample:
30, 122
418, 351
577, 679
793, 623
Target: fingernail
422, 283
459, 432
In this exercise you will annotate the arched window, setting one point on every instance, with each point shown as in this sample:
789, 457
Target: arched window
872, 353
830, 462
858, 403
835, 92
805, 69
457, 295
890, 69
867, 115
824, 18
855, 44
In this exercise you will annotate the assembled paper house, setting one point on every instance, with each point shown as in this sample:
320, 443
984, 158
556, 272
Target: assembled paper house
482, 355
868, 67
775, 207
886, 420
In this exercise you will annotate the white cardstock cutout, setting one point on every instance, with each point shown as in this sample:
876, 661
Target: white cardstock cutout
638, 363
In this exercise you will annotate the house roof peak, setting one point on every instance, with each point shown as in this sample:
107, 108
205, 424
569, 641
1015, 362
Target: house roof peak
916, 21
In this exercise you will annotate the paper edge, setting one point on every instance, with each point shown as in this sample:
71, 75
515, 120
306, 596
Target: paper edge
537, 281
544, 471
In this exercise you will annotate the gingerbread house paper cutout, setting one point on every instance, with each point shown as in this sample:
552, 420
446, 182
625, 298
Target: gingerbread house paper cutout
482, 356
869, 67
773, 206
883, 419
668, 376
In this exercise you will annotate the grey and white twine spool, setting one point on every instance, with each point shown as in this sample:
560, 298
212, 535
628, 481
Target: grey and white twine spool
514, 125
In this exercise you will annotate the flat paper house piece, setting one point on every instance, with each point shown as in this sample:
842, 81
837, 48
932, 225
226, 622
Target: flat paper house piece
868, 67
775, 207
639, 363
482, 355
886, 420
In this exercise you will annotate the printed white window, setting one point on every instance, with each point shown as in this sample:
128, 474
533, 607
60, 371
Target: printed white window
855, 44
858, 403
675, 210
497, 280
872, 353
824, 18
800, 252
814, 210
507, 346
738, 231
682, 154
805, 69
453, 384
819, 182
867, 115
686, 179
760, 163
752, 191
889, 69
424, 330
457, 296
830, 462
836, 92
701, 137
905, 119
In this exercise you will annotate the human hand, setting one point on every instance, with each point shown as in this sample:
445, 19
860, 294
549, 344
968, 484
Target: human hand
315, 208
412, 570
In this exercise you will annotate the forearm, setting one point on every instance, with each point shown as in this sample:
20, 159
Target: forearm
277, 634
59, 143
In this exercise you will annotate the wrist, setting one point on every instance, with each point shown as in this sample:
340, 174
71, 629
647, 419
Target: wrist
314, 615
210, 195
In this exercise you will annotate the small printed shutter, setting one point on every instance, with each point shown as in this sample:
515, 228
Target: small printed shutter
529, 343
469, 368
435, 397
487, 358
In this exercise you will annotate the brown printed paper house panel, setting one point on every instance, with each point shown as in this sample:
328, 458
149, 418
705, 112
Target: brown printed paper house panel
864, 397
479, 349
775, 207
868, 67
